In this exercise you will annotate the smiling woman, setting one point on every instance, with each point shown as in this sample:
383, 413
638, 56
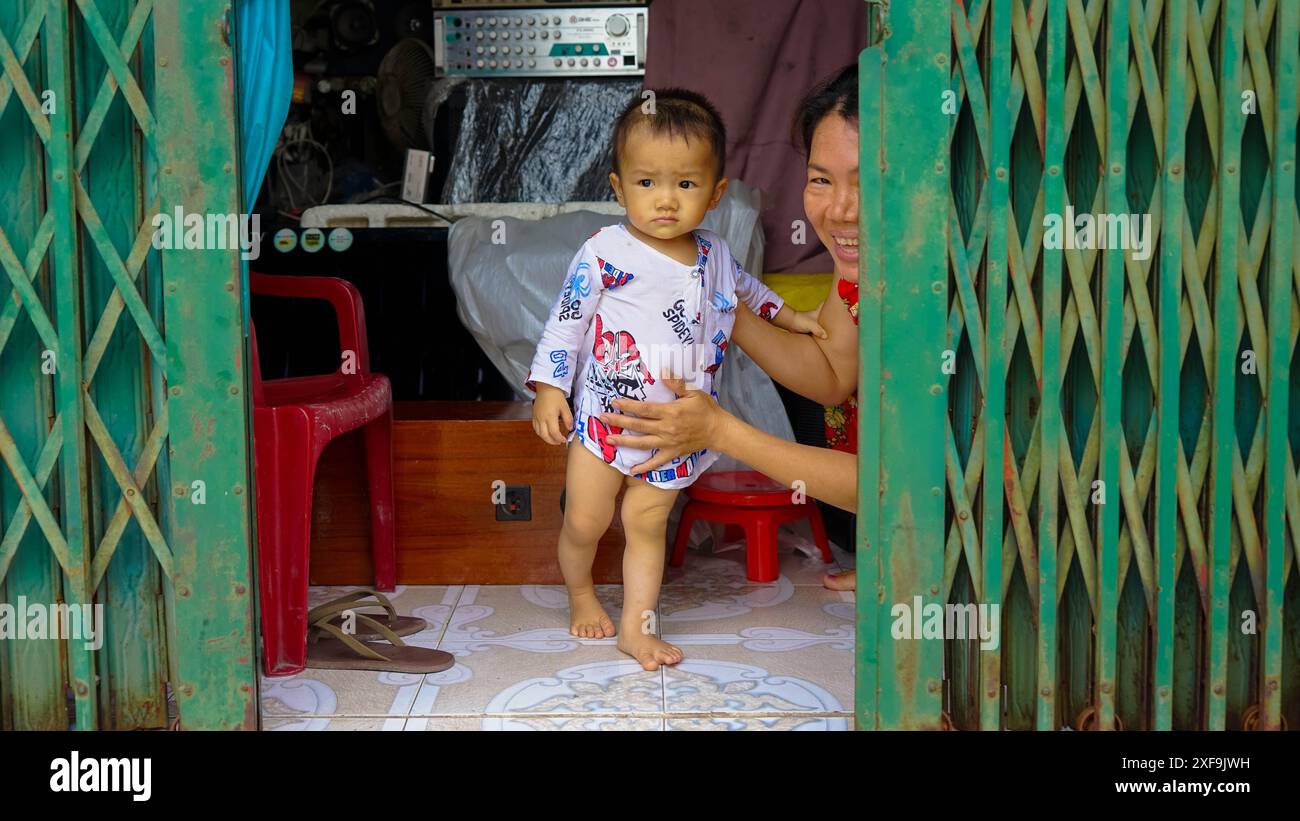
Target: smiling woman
828, 127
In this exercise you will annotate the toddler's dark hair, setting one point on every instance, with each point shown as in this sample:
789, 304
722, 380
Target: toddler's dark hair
677, 113
835, 95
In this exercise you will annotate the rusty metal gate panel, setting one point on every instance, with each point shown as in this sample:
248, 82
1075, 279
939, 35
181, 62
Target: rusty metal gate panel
1102, 441
122, 418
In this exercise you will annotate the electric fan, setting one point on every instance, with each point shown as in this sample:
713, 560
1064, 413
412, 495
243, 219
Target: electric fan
405, 75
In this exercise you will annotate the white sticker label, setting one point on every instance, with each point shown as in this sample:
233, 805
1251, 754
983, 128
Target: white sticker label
340, 239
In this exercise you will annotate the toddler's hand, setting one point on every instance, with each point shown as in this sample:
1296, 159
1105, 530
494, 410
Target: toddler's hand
552, 419
805, 322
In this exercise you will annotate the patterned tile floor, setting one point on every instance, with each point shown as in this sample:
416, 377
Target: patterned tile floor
773, 656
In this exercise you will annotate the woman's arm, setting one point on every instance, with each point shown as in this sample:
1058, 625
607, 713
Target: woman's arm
828, 475
823, 370
695, 422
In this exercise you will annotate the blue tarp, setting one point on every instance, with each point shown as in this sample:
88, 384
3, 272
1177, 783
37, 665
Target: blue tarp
264, 55
264, 59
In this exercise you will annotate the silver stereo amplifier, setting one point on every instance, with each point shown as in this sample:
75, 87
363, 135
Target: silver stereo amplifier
533, 42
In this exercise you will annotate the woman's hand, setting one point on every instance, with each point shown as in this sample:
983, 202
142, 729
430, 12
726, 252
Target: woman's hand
689, 423
694, 422
552, 419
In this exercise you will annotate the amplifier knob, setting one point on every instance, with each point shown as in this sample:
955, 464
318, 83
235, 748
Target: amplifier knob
617, 25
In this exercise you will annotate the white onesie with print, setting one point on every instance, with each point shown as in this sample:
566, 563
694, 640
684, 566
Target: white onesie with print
627, 315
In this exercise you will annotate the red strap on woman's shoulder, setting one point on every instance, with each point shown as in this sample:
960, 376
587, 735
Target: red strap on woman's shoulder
849, 295
848, 291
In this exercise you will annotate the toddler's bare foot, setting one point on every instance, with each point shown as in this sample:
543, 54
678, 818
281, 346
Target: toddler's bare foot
588, 619
841, 581
649, 651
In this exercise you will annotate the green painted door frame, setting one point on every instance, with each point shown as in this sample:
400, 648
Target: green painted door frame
1101, 441
123, 426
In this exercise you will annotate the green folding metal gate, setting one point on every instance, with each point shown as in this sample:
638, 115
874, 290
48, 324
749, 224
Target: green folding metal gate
1101, 442
122, 400
1103, 445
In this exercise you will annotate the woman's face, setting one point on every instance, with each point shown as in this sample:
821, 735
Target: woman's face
830, 197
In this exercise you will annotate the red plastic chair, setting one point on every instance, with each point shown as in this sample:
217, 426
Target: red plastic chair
756, 504
293, 420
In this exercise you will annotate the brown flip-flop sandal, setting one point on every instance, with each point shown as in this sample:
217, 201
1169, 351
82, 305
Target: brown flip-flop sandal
333, 611
349, 654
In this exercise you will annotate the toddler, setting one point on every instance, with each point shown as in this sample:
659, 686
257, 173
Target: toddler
651, 298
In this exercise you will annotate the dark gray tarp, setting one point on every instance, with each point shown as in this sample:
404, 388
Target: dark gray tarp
536, 140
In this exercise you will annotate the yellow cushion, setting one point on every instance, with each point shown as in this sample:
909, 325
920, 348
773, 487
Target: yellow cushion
803, 292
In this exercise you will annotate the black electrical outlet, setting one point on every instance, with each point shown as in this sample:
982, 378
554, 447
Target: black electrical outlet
518, 506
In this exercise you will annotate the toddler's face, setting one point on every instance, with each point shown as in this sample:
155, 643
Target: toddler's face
667, 183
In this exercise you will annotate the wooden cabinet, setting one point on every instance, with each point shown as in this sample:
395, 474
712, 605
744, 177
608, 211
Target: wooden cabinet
446, 455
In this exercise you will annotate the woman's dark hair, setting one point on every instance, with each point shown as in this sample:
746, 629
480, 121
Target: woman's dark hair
837, 95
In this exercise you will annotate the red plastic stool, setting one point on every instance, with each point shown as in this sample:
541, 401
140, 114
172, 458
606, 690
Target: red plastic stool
755, 503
